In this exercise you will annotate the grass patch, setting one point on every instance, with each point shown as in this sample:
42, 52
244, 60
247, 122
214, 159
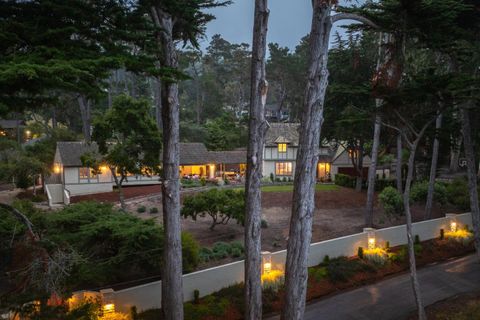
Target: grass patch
289, 188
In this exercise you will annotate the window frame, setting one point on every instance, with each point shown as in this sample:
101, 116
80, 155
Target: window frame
282, 148
284, 168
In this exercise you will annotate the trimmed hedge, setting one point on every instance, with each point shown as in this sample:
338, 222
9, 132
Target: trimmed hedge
345, 180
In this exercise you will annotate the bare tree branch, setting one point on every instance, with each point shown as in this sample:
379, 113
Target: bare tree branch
409, 125
353, 16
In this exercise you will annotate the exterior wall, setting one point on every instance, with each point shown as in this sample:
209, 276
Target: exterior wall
344, 161
271, 153
88, 188
207, 281
70, 175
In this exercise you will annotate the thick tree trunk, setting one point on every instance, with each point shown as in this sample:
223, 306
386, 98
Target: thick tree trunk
411, 250
172, 292
256, 142
455, 154
85, 112
359, 179
433, 169
398, 170
472, 177
303, 206
372, 171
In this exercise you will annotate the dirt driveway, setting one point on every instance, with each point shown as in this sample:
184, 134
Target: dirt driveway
337, 213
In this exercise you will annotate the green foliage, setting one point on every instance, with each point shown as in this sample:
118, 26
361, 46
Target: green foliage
135, 136
326, 259
196, 296
392, 201
222, 250
419, 192
344, 180
342, 268
317, 273
381, 184
225, 134
192, 183
264, 224
141, 209
211, 306
153, 210
458, 193
221, 205
113, 246
360, 252
417, 239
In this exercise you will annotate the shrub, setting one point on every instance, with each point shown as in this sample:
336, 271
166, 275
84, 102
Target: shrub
203, 182
377, 256
196, 296
273, 280
190, 252
458, 194
222, 250
220, 205
417, 239
141, 209
360, 252
317, 273
326, 259
153, 210
272, 177
419, 192
392, 201
264, 224
381, 184
345, 180
341, 269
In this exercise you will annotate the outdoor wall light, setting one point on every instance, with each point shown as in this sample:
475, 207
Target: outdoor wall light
266, 262
452, 222
56, 168
453, 226
371, 240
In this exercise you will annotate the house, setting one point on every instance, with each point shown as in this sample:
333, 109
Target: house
71, 178
280, 153
14, 129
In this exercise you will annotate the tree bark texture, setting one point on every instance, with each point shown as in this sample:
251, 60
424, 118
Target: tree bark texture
472, 177
433, 169
411, 249
172, 292
118, 182
455, 154
398, 170
86, 114
256, 142
372, 171
303, 205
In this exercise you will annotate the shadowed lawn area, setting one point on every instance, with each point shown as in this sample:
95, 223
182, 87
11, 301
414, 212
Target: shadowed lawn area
287, 188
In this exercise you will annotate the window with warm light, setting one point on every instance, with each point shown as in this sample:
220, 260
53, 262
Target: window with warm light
283, 168
282, 147
87, 173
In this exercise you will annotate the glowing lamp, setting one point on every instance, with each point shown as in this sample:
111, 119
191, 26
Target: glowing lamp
56, 168
371, 241
266, 262
28, 133
453, 226
109, 308
103, 169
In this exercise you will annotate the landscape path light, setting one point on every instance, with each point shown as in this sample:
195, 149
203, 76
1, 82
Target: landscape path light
266, 262
108, 302
371, 240
452, 222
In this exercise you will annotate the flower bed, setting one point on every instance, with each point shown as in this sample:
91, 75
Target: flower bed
332, 275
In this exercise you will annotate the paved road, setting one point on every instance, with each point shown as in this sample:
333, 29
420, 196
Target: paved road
392, 299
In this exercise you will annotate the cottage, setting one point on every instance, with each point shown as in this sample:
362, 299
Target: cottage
280, 153
71, 178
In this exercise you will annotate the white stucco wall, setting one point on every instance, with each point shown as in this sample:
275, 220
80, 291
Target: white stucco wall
88, 188
207, 281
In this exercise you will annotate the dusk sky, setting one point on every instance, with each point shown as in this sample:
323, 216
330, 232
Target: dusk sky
289, 21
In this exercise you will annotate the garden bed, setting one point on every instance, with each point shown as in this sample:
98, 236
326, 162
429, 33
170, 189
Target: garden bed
460, 307
330, 277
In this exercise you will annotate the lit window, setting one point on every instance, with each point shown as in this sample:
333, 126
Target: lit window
84, 172
283, 168
282, 147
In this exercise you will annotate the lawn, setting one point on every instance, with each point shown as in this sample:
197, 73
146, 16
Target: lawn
289, 188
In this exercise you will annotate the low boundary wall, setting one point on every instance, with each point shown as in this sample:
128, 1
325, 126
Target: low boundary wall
207, 281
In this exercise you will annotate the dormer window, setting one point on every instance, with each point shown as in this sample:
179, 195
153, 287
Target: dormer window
282, 147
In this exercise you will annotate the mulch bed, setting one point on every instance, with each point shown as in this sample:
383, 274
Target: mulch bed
129, 192
450, 306
433, 251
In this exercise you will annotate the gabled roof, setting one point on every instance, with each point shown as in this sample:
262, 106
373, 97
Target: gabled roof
70, 152
190, 154
282, 133
11, 124
194, 153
